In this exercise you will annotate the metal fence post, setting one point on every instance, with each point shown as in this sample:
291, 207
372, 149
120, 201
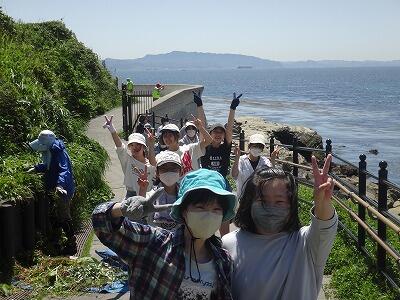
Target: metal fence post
124, 111
241, 140
382, 207
153, 114
271, 145
130, 116
295, 157
362, 190
328, 147
181, 122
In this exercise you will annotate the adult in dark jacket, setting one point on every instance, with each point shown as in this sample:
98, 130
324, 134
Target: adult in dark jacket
58, 177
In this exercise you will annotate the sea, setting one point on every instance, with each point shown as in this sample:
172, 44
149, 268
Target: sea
357, 108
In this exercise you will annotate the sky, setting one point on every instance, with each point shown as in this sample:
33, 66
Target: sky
283, 30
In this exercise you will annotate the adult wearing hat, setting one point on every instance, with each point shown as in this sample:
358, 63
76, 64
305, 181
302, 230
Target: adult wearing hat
58, 177
246, 164
188, 262
132, 157
189, 154
217, 155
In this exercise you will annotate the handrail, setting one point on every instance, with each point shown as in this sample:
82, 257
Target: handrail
369, 230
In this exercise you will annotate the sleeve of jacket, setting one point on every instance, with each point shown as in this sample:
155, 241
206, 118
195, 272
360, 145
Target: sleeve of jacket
124, 237
63, 169
41, 168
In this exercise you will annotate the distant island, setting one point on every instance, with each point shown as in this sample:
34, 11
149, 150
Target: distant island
179, 60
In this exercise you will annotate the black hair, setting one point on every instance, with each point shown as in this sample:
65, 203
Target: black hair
176, 134
204, 196
253, 189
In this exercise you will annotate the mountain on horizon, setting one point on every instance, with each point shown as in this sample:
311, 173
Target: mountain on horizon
191, 60
180, 60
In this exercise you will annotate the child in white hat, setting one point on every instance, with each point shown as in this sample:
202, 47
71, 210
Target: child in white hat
133, 159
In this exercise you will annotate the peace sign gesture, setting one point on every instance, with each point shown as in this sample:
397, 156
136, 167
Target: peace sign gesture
323, 189
108, 124
150, 137
235, 101
142, 181
197, 99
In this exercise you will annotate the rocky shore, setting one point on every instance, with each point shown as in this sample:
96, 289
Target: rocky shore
307, 137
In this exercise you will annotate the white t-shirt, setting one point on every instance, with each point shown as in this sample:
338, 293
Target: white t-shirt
190, 155
128, 163
246, 169
283, 265
201, 290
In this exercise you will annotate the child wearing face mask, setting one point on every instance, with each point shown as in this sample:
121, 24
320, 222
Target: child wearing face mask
133, 158
274, 257
169, 172
245, 165
191, 134
186, 263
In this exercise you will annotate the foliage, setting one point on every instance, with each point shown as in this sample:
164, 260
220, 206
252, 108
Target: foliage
354, 276
65, 277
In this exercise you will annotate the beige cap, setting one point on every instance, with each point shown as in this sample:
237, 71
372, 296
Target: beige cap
168, 156
257, 138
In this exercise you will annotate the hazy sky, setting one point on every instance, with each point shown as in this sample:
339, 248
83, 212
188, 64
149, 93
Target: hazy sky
280, 30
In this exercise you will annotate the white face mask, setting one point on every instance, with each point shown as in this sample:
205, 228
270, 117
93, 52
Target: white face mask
191, 133
256, 152
203, 224
169, 178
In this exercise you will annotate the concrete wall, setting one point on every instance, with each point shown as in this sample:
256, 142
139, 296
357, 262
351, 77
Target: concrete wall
176, 100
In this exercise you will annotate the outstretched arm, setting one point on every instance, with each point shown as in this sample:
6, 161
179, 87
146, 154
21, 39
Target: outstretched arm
200, 110
109, 125
206, 138
231, 118
150, 146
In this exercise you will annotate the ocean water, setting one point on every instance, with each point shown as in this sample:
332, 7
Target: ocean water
357, 108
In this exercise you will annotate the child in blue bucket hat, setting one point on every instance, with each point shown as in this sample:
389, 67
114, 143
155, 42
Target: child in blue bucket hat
187, 263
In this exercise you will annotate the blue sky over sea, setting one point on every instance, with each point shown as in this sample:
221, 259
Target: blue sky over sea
279, 30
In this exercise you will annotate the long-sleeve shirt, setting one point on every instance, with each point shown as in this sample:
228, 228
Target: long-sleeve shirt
155, 256
286, 265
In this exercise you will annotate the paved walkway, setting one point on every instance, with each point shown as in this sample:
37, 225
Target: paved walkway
114, 177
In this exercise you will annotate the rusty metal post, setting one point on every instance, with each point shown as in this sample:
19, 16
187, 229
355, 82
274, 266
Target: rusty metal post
362, 190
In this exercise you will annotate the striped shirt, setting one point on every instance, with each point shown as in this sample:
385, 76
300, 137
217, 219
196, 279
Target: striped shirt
155, 256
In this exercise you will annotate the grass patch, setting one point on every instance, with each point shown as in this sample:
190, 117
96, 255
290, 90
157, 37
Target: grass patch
354, 276
88, 244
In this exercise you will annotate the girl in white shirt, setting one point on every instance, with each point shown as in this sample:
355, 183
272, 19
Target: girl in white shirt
246, 164
133, 158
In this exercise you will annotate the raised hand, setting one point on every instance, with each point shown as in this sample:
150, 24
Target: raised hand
150, 137
197, 99
235, 101
323, 184
196, 121
109, 125
142, 181
137, 207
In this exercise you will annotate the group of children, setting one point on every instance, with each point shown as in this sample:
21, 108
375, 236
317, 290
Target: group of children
177, 199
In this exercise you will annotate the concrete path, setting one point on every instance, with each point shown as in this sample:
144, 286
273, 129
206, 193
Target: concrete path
114, 177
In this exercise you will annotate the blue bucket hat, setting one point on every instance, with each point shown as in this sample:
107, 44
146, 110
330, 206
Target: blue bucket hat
204, 179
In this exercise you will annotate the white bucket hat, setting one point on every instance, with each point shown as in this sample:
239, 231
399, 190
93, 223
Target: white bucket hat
166, 157
170, 127
257, 138
137, 138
